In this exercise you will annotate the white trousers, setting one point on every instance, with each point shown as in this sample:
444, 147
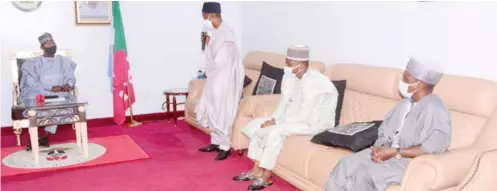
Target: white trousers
266, 143
51, 129
221, 138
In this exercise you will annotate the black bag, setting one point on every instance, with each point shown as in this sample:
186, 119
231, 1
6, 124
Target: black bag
354, 136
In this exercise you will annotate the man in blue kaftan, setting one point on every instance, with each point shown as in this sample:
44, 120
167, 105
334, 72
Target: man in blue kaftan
46, 75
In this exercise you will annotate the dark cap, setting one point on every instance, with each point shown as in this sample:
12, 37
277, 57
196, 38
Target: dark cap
211, 7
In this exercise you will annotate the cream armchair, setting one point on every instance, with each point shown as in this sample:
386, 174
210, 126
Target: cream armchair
17, 60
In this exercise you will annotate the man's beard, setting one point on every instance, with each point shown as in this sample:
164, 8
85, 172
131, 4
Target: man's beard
50, 51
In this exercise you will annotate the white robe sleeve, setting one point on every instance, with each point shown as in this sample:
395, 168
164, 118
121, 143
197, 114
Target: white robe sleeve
282, 105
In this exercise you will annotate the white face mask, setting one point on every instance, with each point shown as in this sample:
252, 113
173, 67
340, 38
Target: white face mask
289, 71
208, 25
403, 89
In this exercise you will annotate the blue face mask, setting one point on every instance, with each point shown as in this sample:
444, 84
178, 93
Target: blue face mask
403, 89
289, 71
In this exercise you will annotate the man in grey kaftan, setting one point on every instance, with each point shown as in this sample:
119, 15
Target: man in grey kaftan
48, 74
307, 107
220, 97
420, 124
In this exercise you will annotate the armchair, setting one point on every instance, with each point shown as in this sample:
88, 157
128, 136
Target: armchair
17, 60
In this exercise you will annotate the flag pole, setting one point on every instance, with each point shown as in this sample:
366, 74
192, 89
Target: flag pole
132, 123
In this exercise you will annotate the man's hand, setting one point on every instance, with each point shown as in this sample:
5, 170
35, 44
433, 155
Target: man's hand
380, 154
207, 39
268, 123
66, 88
56, 88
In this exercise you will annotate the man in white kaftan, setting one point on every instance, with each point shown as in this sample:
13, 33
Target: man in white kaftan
219, 101
418, 125
307, 107
48, 74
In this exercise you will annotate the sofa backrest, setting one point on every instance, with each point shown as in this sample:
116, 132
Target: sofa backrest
253, 63
372, 91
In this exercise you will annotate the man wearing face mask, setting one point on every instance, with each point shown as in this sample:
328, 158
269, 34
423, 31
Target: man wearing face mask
307, 107
218, 103
418, 125
48, 74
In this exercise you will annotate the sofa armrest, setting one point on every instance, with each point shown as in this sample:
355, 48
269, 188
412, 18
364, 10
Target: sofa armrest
251, 107
437, 172
482, 174
195, 88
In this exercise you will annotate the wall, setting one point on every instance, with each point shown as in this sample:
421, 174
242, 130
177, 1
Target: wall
163, 44
462, 36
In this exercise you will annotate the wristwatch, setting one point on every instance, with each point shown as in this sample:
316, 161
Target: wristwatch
397, 154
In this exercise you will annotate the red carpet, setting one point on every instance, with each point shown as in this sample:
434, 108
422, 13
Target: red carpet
174, 165
118, 149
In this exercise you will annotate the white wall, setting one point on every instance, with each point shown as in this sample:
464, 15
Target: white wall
162, 38
461, 35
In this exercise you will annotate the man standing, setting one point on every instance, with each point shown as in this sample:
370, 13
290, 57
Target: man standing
218, 103
418, 125
307, 107
48, 74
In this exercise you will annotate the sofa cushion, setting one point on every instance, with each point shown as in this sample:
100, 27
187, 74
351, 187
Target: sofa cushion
246, 81
352, 136
340, 85
269, 81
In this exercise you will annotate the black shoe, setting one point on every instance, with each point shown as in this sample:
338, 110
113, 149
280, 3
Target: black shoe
210, 148
42, 142
222, 155
246, 176
259, 184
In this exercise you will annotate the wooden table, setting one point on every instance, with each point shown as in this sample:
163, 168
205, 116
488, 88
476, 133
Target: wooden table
70, 111
167, 105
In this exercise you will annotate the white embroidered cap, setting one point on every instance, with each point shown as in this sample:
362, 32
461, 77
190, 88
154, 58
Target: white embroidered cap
298, 52
426, 71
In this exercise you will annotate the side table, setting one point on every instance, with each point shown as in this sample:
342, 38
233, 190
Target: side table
167, 104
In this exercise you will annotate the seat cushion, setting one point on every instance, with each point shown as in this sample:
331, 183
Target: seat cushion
296, 152
269, 81
322, 163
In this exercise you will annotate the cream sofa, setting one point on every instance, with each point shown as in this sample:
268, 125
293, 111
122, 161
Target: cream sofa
371, 92
252, 63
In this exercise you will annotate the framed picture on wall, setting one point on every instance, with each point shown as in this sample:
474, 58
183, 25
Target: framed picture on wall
93, 12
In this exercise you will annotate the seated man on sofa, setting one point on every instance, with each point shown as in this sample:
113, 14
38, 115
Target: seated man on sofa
307, 107
418, 125
48, 74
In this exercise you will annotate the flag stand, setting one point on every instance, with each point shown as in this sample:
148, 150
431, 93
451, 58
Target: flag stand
132, 123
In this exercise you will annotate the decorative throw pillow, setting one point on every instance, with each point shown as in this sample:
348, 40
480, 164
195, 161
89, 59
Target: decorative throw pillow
354, 136
340, 85
269, 81
246, 81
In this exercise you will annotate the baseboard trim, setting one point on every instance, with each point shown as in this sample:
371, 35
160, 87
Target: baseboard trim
98, 122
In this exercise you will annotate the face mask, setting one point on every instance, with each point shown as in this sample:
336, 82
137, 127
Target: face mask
51, 50
289, 71
403, 89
